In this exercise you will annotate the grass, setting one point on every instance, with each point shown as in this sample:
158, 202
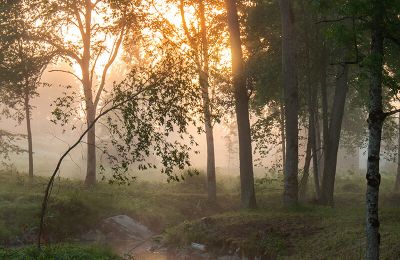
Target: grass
73, 209
176, 210
307, 231
60, 252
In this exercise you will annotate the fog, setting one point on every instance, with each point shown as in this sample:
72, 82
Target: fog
51, 140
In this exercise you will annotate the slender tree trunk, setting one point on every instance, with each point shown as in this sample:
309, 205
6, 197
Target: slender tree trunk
91, 107
211, 176
375, 124
282, 129
290, 194
204, 84
315, 157
248, 199
313, 139
90, 179
333, 138
319, 147
306, 170
91, 148
312, 98
397, 183
324, 104
29, 134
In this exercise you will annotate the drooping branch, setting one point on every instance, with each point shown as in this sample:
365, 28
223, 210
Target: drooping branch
66, 153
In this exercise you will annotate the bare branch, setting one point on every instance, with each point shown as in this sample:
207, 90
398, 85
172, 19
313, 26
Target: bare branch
68, 72
390, 113
113, 55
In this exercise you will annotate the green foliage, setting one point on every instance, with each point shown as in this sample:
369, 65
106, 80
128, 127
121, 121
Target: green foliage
60, 252
152, 118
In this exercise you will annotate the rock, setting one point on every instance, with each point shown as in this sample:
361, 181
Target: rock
124, 226
197, 246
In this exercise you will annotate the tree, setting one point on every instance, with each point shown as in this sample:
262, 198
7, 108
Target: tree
331, 141
93, 23
201, 51
241, 95
142, 112
22, 65
375, 124
290, 195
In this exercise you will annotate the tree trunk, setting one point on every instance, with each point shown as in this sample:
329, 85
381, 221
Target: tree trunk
90, 179
29, 135
211, 176
91, 107
313, 139
324, 104
375, 124
315, 157
91, 148
204, 84
312, 100
333, 138
397, 183
306, 170
248, 199
290, 194
282, 129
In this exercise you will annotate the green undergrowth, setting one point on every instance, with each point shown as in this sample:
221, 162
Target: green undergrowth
180, 212
308, 231
74, 209
59, 252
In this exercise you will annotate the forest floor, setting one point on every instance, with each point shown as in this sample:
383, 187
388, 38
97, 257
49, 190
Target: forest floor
181, 214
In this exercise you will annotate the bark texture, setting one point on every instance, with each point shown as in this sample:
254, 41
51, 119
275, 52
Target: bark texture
248, 199
375, 124
290, 194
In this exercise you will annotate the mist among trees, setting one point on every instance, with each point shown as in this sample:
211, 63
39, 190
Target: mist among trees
199, 129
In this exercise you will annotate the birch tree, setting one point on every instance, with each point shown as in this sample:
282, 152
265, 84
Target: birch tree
81, 30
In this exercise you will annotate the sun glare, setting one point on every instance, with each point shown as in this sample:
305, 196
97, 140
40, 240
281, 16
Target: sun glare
165, 10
